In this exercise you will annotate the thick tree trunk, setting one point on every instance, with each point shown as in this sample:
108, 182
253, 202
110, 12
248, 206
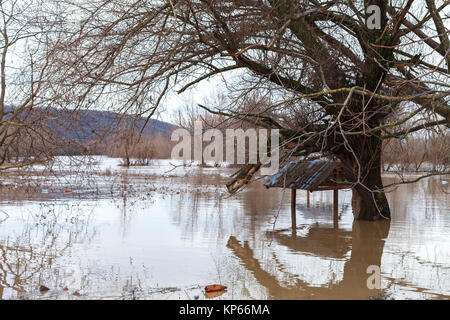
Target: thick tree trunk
369, 201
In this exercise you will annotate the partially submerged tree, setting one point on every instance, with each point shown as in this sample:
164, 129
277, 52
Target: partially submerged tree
337, 73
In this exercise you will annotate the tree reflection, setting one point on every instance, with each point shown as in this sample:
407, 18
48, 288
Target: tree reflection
367, 243
31, 257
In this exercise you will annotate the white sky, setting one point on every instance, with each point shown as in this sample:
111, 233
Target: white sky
203, 91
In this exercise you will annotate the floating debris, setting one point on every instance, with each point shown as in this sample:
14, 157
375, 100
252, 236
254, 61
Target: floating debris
68, 191
214, 291
44, 190
215, 287
43, 289
76, 293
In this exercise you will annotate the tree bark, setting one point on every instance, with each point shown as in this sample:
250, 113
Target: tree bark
369, 201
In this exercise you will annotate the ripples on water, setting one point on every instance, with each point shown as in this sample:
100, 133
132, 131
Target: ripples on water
151, 233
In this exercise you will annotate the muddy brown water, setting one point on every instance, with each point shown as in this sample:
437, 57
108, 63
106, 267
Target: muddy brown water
150, 234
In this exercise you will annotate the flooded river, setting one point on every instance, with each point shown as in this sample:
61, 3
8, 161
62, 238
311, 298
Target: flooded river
161, 232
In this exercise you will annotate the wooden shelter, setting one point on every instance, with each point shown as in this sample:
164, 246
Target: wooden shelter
314, 175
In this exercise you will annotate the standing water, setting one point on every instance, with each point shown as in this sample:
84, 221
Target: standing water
162, 232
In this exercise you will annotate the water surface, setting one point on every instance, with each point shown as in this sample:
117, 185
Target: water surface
164, 232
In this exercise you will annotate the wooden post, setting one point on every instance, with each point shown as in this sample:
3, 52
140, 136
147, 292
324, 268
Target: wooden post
293, 216
307, 198
335, 199
335, 207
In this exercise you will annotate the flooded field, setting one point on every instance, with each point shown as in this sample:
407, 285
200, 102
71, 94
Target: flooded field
101, 231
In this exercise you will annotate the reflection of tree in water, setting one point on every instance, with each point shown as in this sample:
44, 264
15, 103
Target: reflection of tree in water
30, 258
367, 242
409, 268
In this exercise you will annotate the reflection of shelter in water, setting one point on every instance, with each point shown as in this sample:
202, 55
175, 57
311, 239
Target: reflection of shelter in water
323, 242
315, 175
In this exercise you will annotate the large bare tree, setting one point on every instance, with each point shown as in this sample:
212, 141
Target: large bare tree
341, 76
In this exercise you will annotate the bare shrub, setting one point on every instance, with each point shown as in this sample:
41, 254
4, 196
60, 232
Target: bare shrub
139, 151
428, 152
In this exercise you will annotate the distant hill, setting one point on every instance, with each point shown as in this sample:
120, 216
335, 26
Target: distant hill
93, 131
91, 125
